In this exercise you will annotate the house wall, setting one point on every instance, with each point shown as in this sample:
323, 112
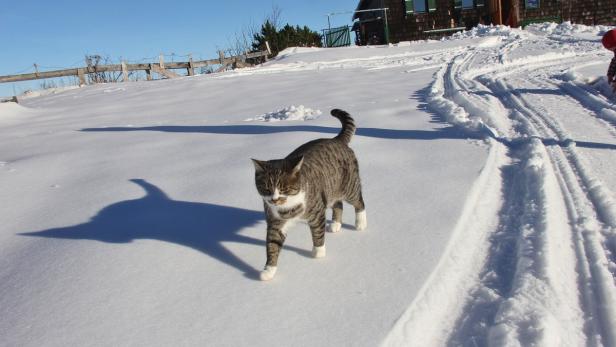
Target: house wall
588, 12
405, 27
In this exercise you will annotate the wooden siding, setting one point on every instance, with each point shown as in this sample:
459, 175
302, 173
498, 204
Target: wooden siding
405, 26
588, 12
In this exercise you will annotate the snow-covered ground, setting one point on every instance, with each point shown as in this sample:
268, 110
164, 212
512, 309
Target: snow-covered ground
130, 216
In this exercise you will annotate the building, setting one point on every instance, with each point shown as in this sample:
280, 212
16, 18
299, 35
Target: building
391, 21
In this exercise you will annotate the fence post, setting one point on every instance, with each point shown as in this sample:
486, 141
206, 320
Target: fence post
124, 71
148, 72
161, 61
221, 57
191, 70
82, 76
269, 51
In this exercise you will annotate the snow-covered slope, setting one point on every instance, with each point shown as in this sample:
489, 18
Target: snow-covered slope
130, 215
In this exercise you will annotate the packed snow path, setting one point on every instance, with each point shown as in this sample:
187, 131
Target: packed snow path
547, 250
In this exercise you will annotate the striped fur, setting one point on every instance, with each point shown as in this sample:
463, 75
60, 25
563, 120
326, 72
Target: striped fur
348, 125
325, 171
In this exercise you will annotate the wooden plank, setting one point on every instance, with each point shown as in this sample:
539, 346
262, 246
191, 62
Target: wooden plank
164, 72
223, 67
206, 62
256, 54
179, 65
445, 30
35, 76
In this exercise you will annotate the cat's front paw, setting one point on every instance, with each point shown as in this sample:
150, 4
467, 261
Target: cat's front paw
318, 252
268, 273
335, 227
360, 220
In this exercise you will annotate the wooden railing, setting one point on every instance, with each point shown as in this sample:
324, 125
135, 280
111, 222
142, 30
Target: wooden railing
161, 68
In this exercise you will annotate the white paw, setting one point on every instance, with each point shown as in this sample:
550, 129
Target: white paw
335, 227
360, 220
318, 252
268, 273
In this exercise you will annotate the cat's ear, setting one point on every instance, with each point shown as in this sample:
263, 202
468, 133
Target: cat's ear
296, 164
259, 165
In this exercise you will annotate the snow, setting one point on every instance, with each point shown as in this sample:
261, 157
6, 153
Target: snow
288, 113
130, 215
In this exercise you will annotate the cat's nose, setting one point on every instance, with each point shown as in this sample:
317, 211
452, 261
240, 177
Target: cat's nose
279, 201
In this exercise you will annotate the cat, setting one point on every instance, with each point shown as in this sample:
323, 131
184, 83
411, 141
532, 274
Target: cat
317, 175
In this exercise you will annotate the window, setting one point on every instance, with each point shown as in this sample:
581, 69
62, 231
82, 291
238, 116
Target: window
532, 4
431, 5
409, 6
467, 4
420, 6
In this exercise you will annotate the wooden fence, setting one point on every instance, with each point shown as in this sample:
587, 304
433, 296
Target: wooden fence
162, 68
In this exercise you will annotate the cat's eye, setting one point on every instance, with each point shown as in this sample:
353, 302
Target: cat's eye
289, 191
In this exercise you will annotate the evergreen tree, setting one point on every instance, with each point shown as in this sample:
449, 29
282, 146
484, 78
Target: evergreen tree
288, 36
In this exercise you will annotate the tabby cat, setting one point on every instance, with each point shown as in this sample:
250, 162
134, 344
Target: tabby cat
317, 175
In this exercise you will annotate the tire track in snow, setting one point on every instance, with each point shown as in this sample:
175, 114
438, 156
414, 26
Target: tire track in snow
596, 283
592, 100
591, 207
601, 196
561, 292
605, 112
428, 321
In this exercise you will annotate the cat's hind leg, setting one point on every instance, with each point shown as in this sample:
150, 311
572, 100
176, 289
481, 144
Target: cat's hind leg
336, 224
361, 222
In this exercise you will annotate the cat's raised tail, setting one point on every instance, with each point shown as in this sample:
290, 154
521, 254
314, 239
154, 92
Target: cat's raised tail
348, 125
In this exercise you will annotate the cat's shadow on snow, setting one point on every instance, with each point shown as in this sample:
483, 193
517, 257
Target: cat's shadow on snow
201, 226
447, 132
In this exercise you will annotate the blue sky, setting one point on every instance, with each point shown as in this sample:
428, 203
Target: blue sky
58, 34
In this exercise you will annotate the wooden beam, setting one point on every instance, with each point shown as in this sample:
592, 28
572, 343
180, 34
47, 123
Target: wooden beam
164, 72
35, 76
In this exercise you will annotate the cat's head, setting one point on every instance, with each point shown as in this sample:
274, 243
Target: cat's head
278, 180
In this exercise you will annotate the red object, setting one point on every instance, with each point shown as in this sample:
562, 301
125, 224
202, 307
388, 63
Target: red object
609, 39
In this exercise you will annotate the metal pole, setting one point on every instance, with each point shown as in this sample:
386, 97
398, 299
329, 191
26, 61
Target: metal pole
329, 30
386, 27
